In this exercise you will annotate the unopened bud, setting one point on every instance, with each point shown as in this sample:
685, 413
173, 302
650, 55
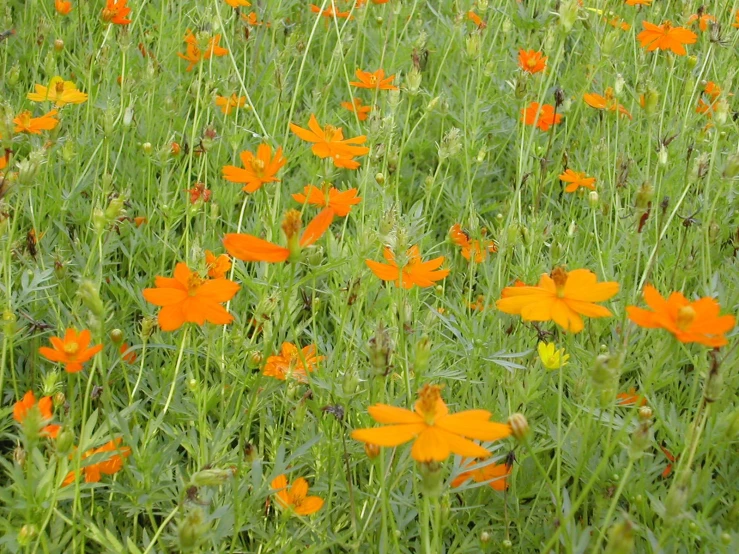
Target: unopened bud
191, 529
621, 538
568, 14
485, 537
58, 45
432, 478
519, 426
380, 349
89, 293
423, 354
212, 477
148, 324
371, 450
116, 336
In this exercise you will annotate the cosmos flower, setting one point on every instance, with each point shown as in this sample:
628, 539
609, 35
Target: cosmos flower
355, 106
550, 357
471, 248
665, 37
228, 103
340, 202
496, 474
542, 116
217, 266
329, 142
375, 81
237, 3
576, 179
193, 54
703, 20
73, 350
331, 12
110, 465
24, 123
59, 91
291, 362
532, 61
115, 12
607, 102
411, 271
476, 19
295, 498
24, 407
630, 398
258, 170
62, 7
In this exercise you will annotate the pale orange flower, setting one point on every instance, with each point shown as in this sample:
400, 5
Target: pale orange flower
435, 433
44, 407
476, 19
258, 170
228, 103
607, 102
471, 248
331, 12
697, 321
194, 54
703, 19
532, 61
630, 398
296, 497
59, 91
292, 363
638, 2
24, 123
329, 142
562, 297
542, 116
665, 37
576, 179
411, 271
62, 7
188, 298
237, 3
112, 464
340, 202
355, 106
496, 474
115, 12
73, 350
376, 80
217, 266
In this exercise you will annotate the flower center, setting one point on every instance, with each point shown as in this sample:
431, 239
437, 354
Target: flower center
329, 131
531, 63
59, 87
25, 119
71, 348
193, 283
107, 14
257, 165
667, 25
373, 80
291, 223
428, 398
559, 276
685, 317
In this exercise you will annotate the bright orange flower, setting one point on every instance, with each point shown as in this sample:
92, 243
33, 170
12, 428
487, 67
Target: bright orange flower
697, 321
630, 398
607, 102
72, 350
24, 123
188, 298
44, 406
62, 7
331, 12
355, 106
712, 92
127, 356
258, 170
476, 19
617, 22
253, 249
576, 179
532, 61
435, 432
115, 12
413, 272
542, 116
109, 466
376, 80
194, 54
672, 459
736, 20
702, 19
497, 474
638, 2
59, 91
471, 248
293, 363
296, 497
251, 19
329, 142
228, 103
562, 296
237, 3
217, 266
665, 37
4, 159
329, 197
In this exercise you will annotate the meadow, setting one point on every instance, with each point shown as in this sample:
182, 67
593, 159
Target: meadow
444, 276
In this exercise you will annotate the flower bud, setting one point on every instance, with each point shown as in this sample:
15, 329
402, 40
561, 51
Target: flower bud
413, 81
432, 478
64, 442
115, 208
485, 537
380, 349
621, 538
473, 45
649, 100
128, 116
191, 529
212, 477
13, 75
350, 382
731, 169
640, 440
371, 450
89, 293
27, 534
519, 426
116, 336
423, 354
675, 503
568, 14
380, 178
593, 198
58, 45
714, 386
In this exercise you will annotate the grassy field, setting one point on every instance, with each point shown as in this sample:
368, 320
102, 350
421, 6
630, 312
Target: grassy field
369, 276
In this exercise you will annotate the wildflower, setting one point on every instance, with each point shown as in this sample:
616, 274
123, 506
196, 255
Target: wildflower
251, 19
112, 464
218, 266
291, 362
59, 91
340, 202
22, 408
258, 170
607, 102
702, 19
330, 142
712, 93
697, 321
376, 80
550, 356
576, 179
24, 123
671, 458
188, 298
638, 2
434, 432
126, 356
532, 61
630, 398
4, 159
736, 20
665, 37
617, 22
296, 497
561, 296
228, 103
115, 12
194, 54
476, 19
471, 249
542, 116
73, 350
253, 249
496, 474
331, 12
355, 106
62, 7
198, 192
237, 3
412, 272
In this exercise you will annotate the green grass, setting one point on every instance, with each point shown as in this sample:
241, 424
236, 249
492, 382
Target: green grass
450, 149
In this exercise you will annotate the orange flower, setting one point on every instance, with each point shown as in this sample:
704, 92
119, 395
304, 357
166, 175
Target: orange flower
469, 247
532, 61
329, 197
112, 464
638, 2
665, 37
413, 272
115, 12
217, 266
291, 362
198, 191
44, 406
355, 106
24, 123
194, 54
542, 116
188, 298
4, 159
258, 170
697, 321
228, 103
331, 12
712, 92
62, 7
376, 80
562, 296
330, 142
127, 356
295, 498
607, 102
668, 468
476, 19
253, 249
736, 20
617, 22
496, 474
237, 3
59, 91
251, 19
72, 350
702, 19
576, 179
630, 398
435, 433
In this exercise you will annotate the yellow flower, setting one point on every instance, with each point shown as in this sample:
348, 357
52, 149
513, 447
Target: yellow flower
550, 357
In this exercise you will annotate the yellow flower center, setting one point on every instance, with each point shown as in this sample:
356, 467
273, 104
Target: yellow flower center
373, 80
25, 119
559, 276
291, 223
107, 14
685, 317
329, 131
59, 87
71, 348
667, 25
428, 397
531, 62
193, 283
258, 166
